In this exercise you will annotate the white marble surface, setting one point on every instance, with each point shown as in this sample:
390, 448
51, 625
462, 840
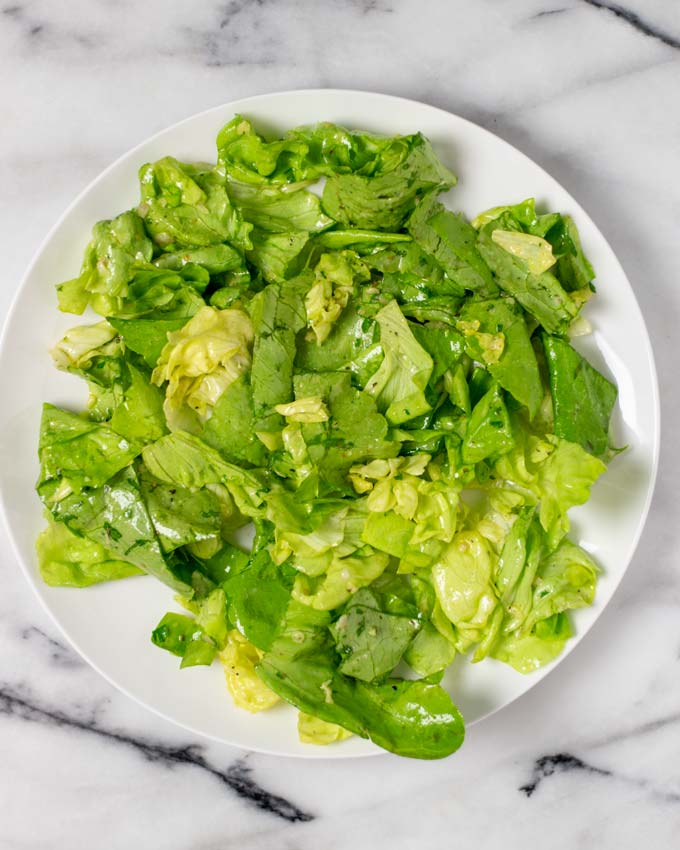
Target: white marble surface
590, 757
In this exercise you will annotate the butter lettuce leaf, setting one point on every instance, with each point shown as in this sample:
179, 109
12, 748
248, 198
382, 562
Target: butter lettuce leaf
66, 559
583, 399
383, 200
117, 248
399, 383
413, 719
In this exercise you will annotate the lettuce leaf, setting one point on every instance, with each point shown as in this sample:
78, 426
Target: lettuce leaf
313, 730
541, 295
279, 209
516, 370
278, 256
76, 453
181, 516
243, 155
118, 247
371, 642
383, 200
116, 517
463, 582
66, 559
557, 472
413, 719
335, 278
186, 206
452, 242
565, 581
399, 383
530, 651
231, 428
199, 362
583, 399
183, 459
182, 636
277, 314
240, 659
489, 431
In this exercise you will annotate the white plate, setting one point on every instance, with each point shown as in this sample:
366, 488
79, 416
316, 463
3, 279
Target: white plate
110, 624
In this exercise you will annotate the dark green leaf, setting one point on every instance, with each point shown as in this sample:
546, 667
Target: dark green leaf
583, 399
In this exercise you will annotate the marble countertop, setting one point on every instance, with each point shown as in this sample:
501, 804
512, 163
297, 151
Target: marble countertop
589, 89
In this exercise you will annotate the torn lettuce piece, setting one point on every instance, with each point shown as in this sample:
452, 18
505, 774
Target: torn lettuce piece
278, 256
361, 241
279, 209
116, 517
311, 409
351, 341
83, 344
182, 636
76, 453
583, 399
120, 392
138, 415
215, 259
118, 247
231, 428
444, 344
187, 206
463, 581
331, 149
181, 516
355, 432
385, 199
277, 313
240, 659
452, 242
399, 383
95, 353
541, 295
244, 156
489, 431
516, 369
565, 581
336, 276
556, 472
343, 577
371, 642
413, 719
524, 212
183, 459
212, 616
258, 597
199, 362
430, 652
313, 730
533, 650
161, 294
535, 251
66, 559
410, 517
573, 268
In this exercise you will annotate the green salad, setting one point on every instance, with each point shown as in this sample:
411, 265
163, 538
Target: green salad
377, 393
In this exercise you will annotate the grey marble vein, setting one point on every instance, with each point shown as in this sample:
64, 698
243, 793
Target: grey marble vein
546, 13
637, 22
58, 653
237, 777
647, 728
548, 766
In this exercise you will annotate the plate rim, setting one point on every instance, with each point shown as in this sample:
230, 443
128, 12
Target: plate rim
252, 101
